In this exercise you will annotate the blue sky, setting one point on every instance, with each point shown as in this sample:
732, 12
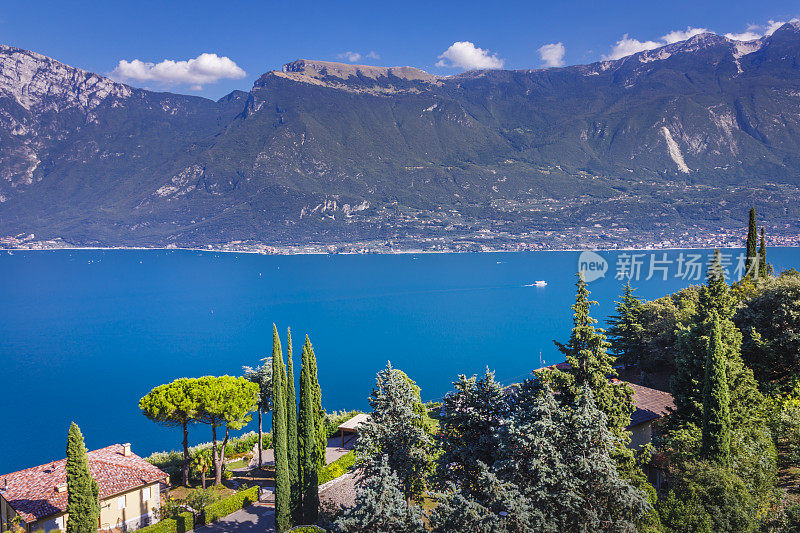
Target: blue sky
262, 35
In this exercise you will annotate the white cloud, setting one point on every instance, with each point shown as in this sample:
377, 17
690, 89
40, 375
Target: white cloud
354, 57
552, 54
744, 36
773, 25
464, 54
627, 46
205, 68
681, 35
350, 56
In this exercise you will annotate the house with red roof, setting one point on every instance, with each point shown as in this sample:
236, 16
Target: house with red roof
130, 492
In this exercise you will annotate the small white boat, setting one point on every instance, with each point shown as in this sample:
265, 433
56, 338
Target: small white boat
540, 283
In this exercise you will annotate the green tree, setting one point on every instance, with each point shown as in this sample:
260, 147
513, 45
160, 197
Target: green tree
283, 488
172, 405
392, 431
708, 498
716, 400
764, 268
202, 463
380, 505
261, 376
591, 368
714, 302
470, 418
770, 324
308, 450
291, 434
316, 394
224, 401
625, 332
751, 263
555, 473
83, 505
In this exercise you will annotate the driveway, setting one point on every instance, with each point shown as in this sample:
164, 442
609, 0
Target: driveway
253, 518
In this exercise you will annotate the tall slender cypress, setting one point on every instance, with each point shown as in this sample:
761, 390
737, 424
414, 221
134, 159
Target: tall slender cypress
308, 441
316, 390
291, 434
716, 399
283, 504
83, 505
751, 264
763, 266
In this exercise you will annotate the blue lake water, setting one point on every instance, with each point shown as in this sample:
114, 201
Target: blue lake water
85, 334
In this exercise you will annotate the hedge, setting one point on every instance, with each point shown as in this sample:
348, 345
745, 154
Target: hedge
306, 529
182, 524
337, 468
221, 508
168, 525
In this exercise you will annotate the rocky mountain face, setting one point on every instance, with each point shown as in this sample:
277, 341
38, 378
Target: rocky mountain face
677, 141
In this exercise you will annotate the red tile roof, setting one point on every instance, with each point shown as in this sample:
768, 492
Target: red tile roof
32, 492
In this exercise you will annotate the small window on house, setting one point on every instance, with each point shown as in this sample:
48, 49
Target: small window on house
121, 502
146, 494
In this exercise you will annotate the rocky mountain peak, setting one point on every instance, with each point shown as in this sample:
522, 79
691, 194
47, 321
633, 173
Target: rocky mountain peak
38, 82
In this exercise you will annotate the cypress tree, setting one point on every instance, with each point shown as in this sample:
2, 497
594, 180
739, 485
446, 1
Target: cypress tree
716, 400
764, 269
291, 434
83, 505
714, 301
283, 503
626, 329
316, 392
308, 442
751, 263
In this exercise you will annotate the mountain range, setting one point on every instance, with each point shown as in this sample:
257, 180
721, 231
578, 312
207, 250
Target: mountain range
669, 145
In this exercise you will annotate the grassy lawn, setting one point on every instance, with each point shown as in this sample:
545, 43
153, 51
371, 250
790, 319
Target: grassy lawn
241, 463
181, 493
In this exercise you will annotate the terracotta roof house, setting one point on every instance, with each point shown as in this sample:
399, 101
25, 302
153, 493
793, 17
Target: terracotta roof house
130, 491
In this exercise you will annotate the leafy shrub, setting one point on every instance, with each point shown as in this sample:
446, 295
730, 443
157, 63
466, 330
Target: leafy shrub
337, 468
200, 498
307, 529
226, 506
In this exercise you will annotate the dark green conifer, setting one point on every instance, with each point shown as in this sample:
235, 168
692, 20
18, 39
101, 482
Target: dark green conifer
308, 442
291, 434
83, 505
764, 268
626, 329
316, 391
283, 502
715, 301
751, 263
591, 365
716, 400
